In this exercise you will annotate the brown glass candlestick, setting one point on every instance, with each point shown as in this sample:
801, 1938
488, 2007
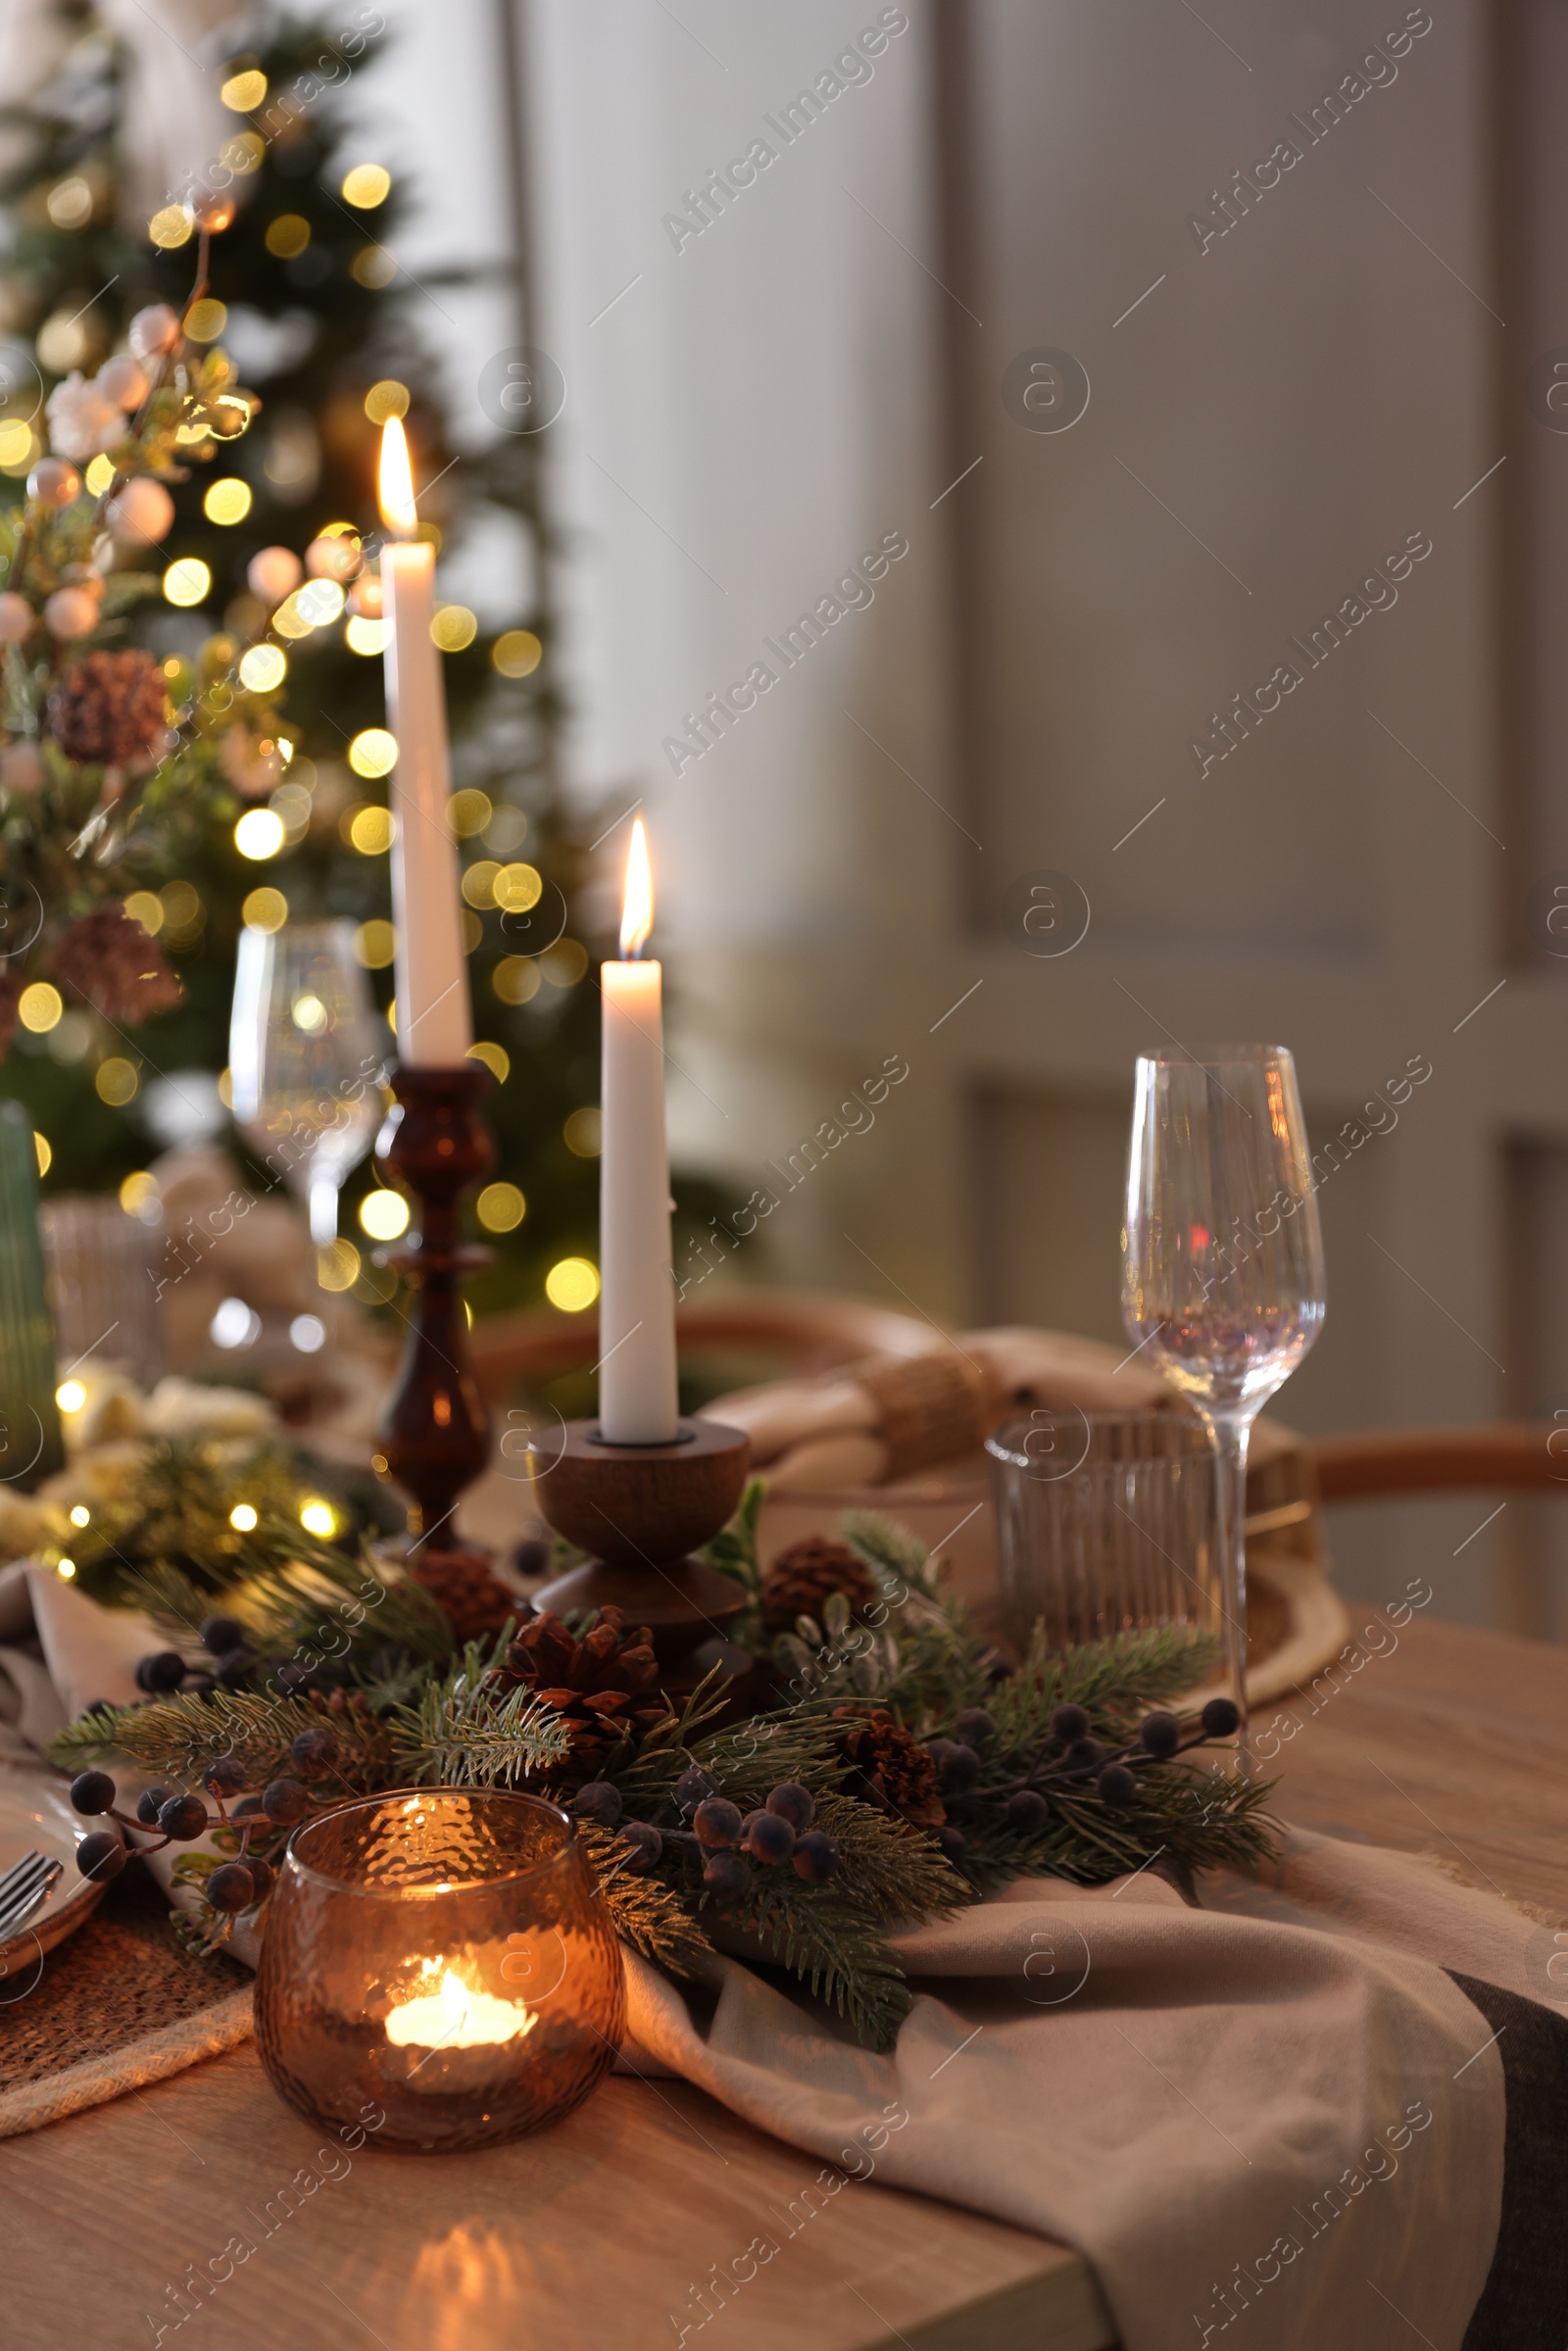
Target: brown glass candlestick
434, 1430
642, 1510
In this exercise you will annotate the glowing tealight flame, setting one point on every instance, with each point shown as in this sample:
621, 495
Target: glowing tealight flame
394, 489
457, 2017
637, 900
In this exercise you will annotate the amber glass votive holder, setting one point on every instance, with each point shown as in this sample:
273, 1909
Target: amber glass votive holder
441, 1956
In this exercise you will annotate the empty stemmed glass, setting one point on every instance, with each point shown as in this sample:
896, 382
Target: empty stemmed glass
1222, 1263
306, 1059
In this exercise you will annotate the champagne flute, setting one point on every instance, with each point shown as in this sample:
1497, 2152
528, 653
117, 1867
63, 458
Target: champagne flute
1222, 1265
307, 1062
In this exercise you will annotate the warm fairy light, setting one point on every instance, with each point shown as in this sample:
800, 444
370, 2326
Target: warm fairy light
571, 1284
71, 1395
242, 1518
459, 2016
637, 900
260, 833
319, 1518
80, 1514
395, 484
65, 1568
385, 1214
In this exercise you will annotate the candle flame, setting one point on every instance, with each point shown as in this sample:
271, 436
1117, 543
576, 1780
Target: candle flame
637, 900
459, 2016
394, 489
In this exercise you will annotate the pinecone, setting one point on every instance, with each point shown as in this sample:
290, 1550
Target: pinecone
109, 707
112, 963
476, 1602
888, 1766
803, 1577
603, 1685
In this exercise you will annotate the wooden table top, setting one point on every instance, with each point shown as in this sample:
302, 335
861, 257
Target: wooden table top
598, 2235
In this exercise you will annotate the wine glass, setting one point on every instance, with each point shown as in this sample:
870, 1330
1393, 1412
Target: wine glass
1222, 1264
305, 1059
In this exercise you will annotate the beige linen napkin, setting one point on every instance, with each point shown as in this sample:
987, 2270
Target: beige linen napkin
1256, 2131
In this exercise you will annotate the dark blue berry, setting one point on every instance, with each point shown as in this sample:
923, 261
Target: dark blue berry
249, 1808
728, 1876
531, 1556
225, 1776
92, 1792
718, 1822
100, 1855
974, 1727
150, 1803
1220, 1718
285, 1801
958, 1768
646, 1846
1084, 1755
314, 1751
599, 1800
234, 1671
693, 1787
1026, 1812
1159, 1734
952, 1841
792, 1803
1117, 1785
261, 1876
231, 1886
815, 1857
767, 1837
182, 1818
220, 1633
1068, 1723
163, 1670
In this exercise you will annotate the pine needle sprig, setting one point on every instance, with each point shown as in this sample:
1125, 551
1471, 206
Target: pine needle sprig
646, 1912
1114, 1681
175, 1737
462, 1732
826, 1939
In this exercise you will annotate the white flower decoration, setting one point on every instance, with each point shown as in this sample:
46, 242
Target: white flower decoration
82, 420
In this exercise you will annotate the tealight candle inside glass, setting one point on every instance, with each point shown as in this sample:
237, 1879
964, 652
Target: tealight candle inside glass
440, 1953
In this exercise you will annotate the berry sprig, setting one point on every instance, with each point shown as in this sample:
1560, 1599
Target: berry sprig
1081, 1765
179, 1818
729, 1846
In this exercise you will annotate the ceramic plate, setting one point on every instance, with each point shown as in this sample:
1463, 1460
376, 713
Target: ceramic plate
35, 1817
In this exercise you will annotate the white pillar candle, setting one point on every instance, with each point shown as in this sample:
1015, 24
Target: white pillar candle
431, 972
638, 1402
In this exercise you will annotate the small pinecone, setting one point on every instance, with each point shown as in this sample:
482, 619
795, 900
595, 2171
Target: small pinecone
107, 960
475, 1603
108, 707
802, 1578
888, 1766
604, 1684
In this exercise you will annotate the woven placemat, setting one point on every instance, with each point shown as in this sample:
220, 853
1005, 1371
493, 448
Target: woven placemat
116, 2005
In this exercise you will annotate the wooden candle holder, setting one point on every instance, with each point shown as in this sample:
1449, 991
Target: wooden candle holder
434, 1432
642, 1510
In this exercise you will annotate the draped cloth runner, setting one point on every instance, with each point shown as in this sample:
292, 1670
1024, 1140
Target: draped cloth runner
1277, 2120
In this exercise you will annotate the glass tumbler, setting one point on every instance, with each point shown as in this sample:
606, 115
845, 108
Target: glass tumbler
1105, 1523
441, 1956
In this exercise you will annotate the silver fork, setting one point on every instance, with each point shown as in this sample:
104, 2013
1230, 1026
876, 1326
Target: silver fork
23, 1889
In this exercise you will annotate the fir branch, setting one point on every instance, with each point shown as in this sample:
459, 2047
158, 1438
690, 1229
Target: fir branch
462, 1732
646, 1912
175, 1737
1114, 1681
828, 1942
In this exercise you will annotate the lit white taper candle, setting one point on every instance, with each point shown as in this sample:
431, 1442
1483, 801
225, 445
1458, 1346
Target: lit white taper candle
434, 1025
637, 1390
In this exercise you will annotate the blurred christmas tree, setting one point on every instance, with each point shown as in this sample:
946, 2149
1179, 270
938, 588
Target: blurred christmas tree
262, 572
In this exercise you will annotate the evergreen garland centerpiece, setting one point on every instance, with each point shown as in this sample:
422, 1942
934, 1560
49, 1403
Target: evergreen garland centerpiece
896, 1769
